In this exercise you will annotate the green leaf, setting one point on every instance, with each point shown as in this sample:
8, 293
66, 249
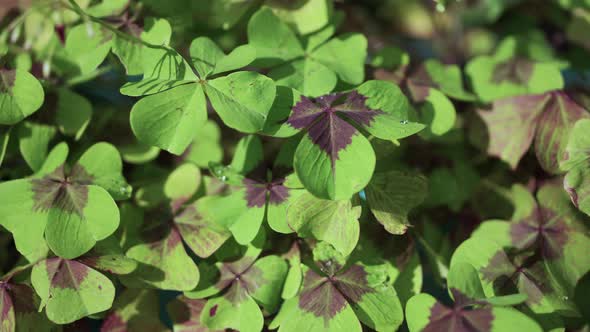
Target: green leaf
71, 233
464, 277
335, 222
243, 316
163, 69
135, 310
433, 74
206, 147
495, 319
182, 183
201, 227
547, 119
33, 142
506, 74
87, 45
307, 75
209, 59
345, 55
392, 195
242, 99
335, 177
104, 168
70, 290
168, 119
186, 314
304, 16
73, 113
4, 139
248, 155
438, 113
20, 95
163, 261
392, 123
273, 40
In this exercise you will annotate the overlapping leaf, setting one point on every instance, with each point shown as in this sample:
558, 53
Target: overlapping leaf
313, 69
513, 124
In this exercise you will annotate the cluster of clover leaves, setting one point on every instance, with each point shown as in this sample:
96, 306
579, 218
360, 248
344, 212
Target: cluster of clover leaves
272, 239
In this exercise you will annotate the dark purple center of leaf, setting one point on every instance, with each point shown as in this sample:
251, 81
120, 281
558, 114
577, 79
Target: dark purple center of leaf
242, 278
517, 71
257, 192
520, 274
459, 318
67, 193
543, 230
328, 124
65, 274
326, 296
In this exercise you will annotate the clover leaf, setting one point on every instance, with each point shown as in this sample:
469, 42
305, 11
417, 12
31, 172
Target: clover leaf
158, 242
134, 309
540, 256
334, 160
239, 286
20, 95
425, 313
510, 73
313, 69
391, 195
339, 297
177, 97
259, 191
70, 290
72, 207
19, 308
576, 163
545, 119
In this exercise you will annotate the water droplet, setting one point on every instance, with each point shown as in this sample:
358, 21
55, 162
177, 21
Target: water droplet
404, 122
123, 190
440, 8
89, 30
223, 178
565, 298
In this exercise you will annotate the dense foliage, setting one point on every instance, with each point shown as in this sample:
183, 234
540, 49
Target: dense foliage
300, 165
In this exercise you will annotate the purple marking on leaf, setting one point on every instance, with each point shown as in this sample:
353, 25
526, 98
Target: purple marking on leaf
58, 190
7, 78
186, 314
60, 30
305, 113
240, 278
523, 273
5, 303
24, 298
326, 296
517, 71
459, 319
332, 134
213, 310
326, 123
113, 322
543, 230
257, 192
419, 84
559, 116
65, 274
571, 191
353, 284
320, 297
